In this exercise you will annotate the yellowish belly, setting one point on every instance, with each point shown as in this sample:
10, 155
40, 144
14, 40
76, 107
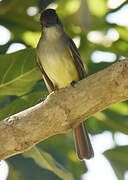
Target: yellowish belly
57, 60
60, 71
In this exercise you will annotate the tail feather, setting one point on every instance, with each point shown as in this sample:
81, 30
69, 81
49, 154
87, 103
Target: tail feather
83, 145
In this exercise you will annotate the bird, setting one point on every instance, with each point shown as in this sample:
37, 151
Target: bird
61, 66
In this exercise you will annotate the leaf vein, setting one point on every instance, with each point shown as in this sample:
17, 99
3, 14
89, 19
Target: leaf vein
16, 79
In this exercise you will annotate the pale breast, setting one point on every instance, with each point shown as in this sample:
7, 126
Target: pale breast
57, 62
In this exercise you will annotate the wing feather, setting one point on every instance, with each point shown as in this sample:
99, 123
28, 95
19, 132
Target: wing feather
77, 59
47, 81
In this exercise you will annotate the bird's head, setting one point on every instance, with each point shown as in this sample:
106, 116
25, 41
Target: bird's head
49, 18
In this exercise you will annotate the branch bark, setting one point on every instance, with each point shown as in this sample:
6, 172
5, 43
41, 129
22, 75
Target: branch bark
64, 109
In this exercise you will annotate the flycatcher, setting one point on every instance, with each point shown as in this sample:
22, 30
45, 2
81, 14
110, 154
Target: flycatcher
61, 66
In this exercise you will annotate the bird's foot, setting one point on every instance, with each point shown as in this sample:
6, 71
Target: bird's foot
73, 83
41, 100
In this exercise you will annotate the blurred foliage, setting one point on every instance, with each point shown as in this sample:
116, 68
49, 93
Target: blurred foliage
45, 161
118, 160
25, 168
21, 85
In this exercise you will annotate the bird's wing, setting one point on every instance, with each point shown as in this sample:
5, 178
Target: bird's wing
77, 59
47, 81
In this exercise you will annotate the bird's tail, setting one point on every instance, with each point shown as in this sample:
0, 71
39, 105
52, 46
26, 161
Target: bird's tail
83, 145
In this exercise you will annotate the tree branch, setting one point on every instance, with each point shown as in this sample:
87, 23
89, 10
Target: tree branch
64, 109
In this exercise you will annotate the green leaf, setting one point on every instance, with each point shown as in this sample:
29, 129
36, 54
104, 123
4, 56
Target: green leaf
62, 148
21, 168
97, 7
96, 125
118, 159
113, 120
13, 14
22, 103
18, 72
123, 32
69, 7
121, 108
31, 38
2, 98
46, 161
14, 174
